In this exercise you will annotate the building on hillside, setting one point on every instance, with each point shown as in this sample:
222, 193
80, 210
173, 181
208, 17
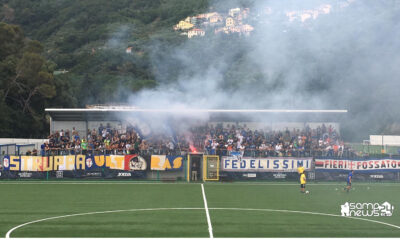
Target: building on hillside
128, 50
246, 29
183, 25
304, 15
193, 20
226, 23
57, 72
196, 32
206, 15
245, 12
215, 18
199, 16
229, 22
234, 12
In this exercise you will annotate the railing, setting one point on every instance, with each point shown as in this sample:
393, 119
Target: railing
346, 154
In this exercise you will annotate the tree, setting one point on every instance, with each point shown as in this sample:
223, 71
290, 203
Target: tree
26, 82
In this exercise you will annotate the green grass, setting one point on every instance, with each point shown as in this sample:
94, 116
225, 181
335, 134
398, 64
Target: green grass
28, 201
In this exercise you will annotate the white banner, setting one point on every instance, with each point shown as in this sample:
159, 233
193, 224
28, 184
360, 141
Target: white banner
278, 164
357, 165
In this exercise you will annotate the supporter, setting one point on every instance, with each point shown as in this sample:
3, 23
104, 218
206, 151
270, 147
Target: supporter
94, 133
84, 146
75, 134
212, 139
108, 128
170, 147
77, 146
101, 128
43, 149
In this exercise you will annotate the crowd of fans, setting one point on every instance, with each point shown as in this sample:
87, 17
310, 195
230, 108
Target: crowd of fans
211, 139
322, 141
102, 140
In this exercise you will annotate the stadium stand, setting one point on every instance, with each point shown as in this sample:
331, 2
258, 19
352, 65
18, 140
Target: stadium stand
210, 139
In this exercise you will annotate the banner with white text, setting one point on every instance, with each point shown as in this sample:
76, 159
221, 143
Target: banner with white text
132, 162
278, 164
358, 165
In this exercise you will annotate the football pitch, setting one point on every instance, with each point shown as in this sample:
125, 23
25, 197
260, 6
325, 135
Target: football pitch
139, 209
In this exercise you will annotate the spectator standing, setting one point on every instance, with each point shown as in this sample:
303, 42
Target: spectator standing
194, 171
84, 146
101, 127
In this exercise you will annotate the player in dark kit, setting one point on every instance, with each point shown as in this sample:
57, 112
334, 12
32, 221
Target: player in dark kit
349, 180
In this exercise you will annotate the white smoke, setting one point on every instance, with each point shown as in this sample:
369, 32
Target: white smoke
302, 55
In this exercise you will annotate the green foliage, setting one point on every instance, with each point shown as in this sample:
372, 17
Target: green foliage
88, 40
11, 39
26, 80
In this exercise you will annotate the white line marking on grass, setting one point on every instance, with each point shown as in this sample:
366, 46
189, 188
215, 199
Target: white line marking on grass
207, 213
304, 212
160, 209
89, 183
92, 213
96, 183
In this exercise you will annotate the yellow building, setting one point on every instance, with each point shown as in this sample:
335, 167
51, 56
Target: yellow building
230, 22
183, 25
215, 18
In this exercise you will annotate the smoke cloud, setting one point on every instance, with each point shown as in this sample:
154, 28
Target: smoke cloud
301, 55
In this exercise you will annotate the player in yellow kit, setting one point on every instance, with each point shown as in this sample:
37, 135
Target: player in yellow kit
303, 182
300, 169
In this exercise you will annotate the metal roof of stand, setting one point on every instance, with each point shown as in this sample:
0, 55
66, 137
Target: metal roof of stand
117, 113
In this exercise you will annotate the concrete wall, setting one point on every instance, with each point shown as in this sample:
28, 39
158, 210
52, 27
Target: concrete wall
82, 126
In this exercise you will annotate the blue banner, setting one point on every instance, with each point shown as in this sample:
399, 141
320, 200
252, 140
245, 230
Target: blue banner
90, 163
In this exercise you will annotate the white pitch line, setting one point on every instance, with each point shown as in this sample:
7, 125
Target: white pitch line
207, 213
92, 213
232, 209
304, 212
90, 183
